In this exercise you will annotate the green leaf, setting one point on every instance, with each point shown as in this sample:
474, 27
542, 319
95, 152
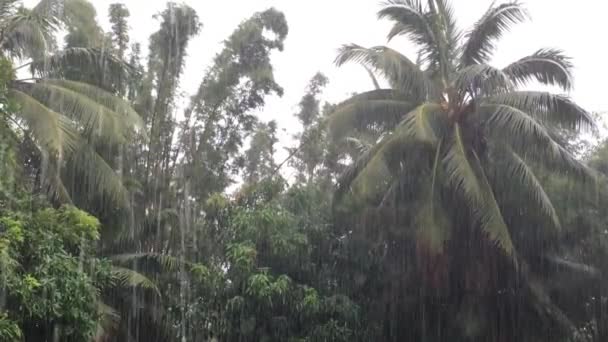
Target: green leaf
547, 66
99, 122
129, 278
376, 115
466, 176
403, 74
50, 129
547, 108
95, 173
518, 170
433, 225
480, 41
529, 138
104, 98
482, 79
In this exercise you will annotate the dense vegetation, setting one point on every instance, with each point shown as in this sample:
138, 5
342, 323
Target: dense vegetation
451, 205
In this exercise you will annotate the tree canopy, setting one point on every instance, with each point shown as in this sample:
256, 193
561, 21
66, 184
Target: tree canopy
449, 202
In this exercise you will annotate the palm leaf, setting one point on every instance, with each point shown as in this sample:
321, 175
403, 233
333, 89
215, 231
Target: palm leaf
529, 138
424, 123
97, 176
348, 176
402, 73
379, 115
482, 79
106, 99
466, 176
518, 170
51, 180
547, 107
27, 35
129, 278
167, 262
51, 130
547, 66
480, 41
443, 24
398, 153
412, 21
98, 121
80, 63
434, 227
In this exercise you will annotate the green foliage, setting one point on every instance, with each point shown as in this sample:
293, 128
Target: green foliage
221, 112
460, 214
80, 17
455, 168
9, 330
50, 277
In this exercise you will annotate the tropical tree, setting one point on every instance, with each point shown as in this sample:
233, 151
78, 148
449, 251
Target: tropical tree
460, 145
64, 120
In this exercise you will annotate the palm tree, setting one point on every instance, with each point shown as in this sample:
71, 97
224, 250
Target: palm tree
72, 126
460, 147
67, 121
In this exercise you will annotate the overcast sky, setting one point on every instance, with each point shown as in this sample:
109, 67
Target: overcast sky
318, 27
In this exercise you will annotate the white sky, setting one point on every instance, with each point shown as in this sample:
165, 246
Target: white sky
318, 27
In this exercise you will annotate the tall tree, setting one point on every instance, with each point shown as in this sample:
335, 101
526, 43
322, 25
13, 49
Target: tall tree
259, 158
310, 153
81, 21
119, 15
457, 158
220, 114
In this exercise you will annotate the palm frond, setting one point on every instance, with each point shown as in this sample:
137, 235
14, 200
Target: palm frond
480, 41
379, 115
98, 121
78, 60
448, 19
466, 176
443, 23
27, 35
424, 123
547, 107
509, 122
433, 225
348, 176
97, 176
517, 169
166, 261
529, 138
129, 278
547, 66
50, 129
482, 79
412, 20
104, 98
397, 153
51, 180
402, 73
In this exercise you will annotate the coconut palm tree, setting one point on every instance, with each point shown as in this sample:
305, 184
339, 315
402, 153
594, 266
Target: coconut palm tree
460, 146
67, 121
